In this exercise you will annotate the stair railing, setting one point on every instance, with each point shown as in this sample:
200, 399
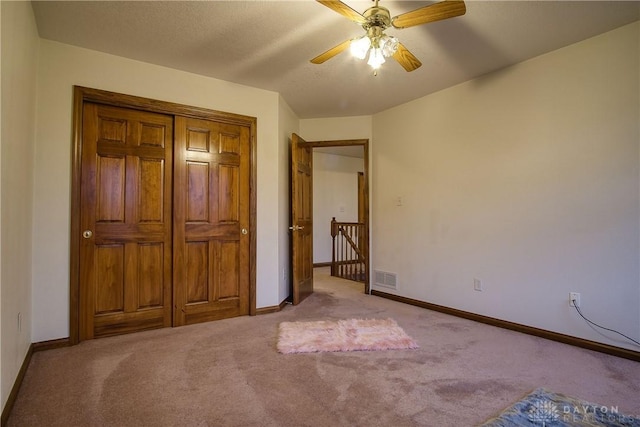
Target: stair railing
348, 259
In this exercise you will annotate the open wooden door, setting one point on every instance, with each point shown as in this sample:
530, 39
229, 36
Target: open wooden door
301, 218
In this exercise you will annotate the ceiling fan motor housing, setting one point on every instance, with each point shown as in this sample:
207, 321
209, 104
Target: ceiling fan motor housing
377, 17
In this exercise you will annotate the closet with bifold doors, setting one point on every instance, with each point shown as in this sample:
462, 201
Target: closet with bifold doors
163, 215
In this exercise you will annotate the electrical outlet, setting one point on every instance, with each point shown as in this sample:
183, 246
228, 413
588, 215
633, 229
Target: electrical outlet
477, 284
574, 296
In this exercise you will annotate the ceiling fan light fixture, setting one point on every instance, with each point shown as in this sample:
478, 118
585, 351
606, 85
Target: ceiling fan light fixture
360, 46
376, 58
389, 45
376, 44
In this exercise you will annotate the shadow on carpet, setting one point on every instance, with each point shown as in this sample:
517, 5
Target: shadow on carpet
544, 408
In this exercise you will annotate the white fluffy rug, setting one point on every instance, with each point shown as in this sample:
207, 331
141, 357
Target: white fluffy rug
342, 335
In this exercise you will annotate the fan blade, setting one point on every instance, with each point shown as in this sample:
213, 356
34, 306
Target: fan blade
344, 10
408, 61
331, 52
434, 12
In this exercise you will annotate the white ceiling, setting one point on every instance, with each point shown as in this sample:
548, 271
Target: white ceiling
268, 44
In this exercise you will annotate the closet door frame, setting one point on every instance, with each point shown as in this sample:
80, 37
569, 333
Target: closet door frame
81, 95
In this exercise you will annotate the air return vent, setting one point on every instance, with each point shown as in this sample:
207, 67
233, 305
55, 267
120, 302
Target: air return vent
382, 278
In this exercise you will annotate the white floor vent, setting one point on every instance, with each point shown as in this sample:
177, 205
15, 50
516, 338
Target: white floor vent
382, 278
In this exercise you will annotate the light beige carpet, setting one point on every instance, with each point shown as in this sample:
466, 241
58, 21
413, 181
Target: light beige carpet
229, 373
342, 335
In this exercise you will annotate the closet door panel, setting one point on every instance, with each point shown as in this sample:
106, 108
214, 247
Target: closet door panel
211, 220
125, 221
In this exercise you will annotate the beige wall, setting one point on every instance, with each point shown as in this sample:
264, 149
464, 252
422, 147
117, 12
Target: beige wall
19, 61
62, 66
526, 178
332, 128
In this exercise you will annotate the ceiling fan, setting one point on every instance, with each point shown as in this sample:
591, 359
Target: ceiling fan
376, 20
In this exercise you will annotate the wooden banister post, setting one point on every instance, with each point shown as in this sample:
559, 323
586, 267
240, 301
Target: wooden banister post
333, 246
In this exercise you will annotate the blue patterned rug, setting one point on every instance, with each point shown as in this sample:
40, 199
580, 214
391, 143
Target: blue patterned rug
544, 408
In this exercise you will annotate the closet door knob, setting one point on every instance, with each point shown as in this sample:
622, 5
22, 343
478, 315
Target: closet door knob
87, 234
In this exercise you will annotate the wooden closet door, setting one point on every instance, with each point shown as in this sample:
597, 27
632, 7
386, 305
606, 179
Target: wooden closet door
211, 220
125, 220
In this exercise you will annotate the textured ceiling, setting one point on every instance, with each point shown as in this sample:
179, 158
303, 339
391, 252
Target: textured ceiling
268, 44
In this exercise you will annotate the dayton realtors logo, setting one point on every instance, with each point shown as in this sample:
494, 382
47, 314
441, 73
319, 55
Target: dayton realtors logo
547, 413
544, 411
